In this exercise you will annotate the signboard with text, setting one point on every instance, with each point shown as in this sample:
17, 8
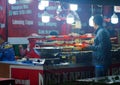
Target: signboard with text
24, 19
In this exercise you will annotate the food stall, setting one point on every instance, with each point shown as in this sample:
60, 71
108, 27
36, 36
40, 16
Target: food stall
59, 62
62, 59
50, 60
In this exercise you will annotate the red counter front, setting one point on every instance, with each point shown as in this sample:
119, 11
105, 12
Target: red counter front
54, 75
49, 75
27, 75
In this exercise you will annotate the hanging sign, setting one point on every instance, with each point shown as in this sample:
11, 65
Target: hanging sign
3, 18
117, 9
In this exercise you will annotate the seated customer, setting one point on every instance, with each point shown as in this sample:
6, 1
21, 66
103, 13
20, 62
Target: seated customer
6, 51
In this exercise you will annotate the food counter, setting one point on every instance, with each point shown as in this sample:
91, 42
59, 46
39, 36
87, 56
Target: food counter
59, 62
37, 72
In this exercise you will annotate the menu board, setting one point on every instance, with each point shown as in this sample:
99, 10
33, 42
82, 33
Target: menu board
24, 19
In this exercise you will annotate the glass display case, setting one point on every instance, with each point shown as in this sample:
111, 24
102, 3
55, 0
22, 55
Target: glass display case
66, 48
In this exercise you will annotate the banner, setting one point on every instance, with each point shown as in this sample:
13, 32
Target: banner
25, 18
3, 18
22, 18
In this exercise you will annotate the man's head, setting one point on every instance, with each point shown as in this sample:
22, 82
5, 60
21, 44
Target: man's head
98, 21
54, 33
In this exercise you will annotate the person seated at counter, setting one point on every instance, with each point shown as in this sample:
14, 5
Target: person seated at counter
6, 51
29, 52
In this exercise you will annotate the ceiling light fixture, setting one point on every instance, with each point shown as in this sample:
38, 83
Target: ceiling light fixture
114, 19
45, 17
11, 1
70, 19
73, 7
45, 3
91, 18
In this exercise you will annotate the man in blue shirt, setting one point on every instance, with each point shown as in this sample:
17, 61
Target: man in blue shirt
6, 51
101, 48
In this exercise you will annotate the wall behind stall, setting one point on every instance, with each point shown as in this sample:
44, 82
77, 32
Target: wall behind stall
20, 20
24, 18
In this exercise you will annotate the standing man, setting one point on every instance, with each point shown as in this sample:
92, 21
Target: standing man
101, 48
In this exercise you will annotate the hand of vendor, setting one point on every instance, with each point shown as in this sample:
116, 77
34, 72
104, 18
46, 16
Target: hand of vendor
85, 46
91, 41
